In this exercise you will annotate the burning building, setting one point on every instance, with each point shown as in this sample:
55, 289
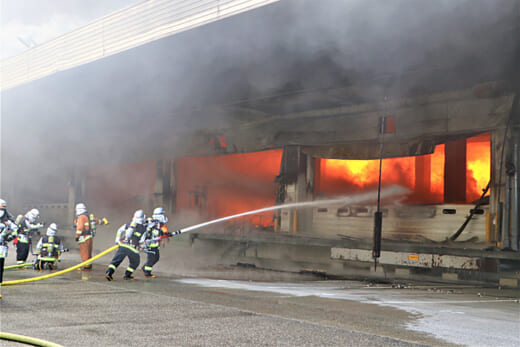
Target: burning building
286, 103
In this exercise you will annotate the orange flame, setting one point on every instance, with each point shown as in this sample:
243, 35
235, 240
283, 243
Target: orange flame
224, 185
478, 154
339, 177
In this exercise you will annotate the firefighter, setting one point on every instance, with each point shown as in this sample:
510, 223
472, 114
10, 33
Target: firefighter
28, 225
85, 232
49, 249
8, 232
155, 229
128, 237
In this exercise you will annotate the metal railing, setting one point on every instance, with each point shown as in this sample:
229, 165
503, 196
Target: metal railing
117, 32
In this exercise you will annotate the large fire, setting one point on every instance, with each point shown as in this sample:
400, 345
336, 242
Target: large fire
478, 166
224, 185
339, 177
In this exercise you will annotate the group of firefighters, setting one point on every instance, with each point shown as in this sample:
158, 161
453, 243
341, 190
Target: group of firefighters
141, 234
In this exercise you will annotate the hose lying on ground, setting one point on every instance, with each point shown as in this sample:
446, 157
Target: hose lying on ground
54, 274
17, 266
27, 340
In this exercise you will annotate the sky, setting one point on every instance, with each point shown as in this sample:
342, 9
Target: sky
44, 20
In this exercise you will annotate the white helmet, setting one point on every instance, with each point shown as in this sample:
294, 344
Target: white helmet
32, 215
52, 229
138, 217
158, 215
81, 209
3, 207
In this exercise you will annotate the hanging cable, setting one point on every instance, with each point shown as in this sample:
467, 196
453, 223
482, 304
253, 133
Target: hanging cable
479, 203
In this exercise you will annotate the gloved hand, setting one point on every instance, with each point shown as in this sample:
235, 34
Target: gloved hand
105, 221
77, 239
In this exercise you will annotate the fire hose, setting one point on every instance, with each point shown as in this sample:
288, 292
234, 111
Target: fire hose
17, 266
27, 340
391, 191
72, 268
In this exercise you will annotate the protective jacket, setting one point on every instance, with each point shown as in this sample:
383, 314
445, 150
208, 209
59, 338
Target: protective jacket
26, 229
129, 235
154, 230
83, 229
8, 231
49, 248
86, 226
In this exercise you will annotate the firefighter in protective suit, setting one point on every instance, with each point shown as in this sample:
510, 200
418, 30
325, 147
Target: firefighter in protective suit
128, 237
85, 232
8, 232
49, 249
151, 240
28, 225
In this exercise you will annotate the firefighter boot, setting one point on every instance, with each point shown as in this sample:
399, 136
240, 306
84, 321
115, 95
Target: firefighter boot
128, 276
147, 272
108, 275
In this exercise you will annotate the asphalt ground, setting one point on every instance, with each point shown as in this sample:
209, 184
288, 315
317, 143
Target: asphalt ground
223, 306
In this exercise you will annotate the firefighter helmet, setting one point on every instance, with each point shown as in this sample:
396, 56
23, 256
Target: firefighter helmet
52, 229
138, 217
81, 209
32, 215
158, 215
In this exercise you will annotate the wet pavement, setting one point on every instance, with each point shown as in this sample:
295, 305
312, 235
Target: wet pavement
218, 306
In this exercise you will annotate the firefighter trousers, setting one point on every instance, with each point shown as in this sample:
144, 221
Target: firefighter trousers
121, 254
22, 251
85, 250
2, 260
151, 259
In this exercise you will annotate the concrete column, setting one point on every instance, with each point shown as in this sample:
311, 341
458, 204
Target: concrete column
515, 191
165, 185
71, 213
289, 172
497, 188
305, 191
77, 190
455, 172
172, 201
159, 184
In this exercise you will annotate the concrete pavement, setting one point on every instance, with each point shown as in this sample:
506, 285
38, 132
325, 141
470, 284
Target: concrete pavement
218, 306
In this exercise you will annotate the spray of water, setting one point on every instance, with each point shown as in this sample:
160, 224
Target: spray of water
385, 193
